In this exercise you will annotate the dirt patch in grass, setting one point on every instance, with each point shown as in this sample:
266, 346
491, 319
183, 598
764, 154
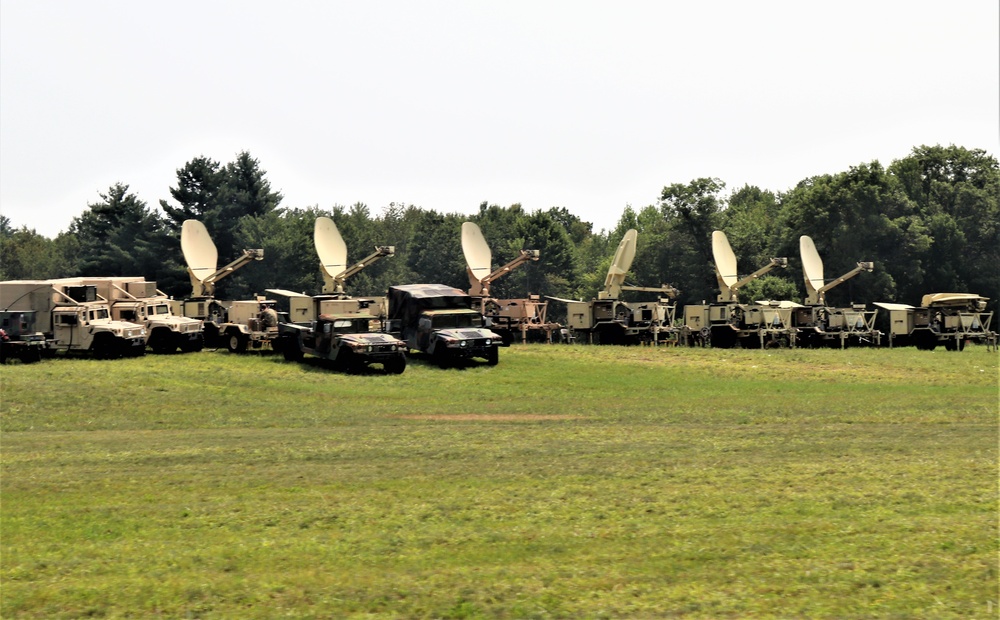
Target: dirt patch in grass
489, 417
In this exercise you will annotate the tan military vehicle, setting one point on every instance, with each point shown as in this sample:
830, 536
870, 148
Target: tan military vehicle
949, 319
73, 317
135, 300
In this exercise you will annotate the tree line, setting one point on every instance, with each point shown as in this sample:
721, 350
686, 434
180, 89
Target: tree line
930, 222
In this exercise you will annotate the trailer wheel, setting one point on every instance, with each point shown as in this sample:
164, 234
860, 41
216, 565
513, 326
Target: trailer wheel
925, 340
236, 341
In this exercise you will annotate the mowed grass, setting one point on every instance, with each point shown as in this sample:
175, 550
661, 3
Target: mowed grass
567, 482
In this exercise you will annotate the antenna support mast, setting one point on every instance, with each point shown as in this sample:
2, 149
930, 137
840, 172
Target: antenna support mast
335, 283
480, 287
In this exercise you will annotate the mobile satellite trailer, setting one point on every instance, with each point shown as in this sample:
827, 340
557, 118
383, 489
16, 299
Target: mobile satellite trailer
440, 321
819, 324
951, 319
728, 322
135, 300
609, 320
237, 325
73, 317
525, 318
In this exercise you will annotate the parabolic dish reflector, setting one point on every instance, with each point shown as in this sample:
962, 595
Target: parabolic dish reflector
330, 247
199, 252
477, 253
725, 258
812, 264
622, 261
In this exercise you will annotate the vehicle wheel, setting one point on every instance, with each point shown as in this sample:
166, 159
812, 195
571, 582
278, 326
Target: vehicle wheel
290, 349
397, 365
347, 361
236, 341
493, 356
104, 348
441, 357
161, 342
193, 346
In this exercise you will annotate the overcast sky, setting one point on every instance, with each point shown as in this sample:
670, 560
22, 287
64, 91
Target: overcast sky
445, 104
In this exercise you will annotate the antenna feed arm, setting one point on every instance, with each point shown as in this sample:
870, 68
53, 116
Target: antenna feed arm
819, 297
666, 289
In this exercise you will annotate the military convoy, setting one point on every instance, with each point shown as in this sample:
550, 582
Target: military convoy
119, 316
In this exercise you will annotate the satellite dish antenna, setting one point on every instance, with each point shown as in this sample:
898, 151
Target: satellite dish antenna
725, 261
330, 246
199, 252
812, 266
477, 253
620, 265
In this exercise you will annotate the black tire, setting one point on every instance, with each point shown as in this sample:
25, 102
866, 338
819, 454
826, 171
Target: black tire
290, 348
492, 356
162, 341
723, 338
396, 365
441, 356
105, 348
347, 361
236, 341
925, 341
193, 346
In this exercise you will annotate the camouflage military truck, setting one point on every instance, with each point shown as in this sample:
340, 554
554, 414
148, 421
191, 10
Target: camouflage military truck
347, 340
440, 321
19, 339
73, 317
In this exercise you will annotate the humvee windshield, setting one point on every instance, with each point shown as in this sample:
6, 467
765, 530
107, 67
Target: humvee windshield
452, 321
100, 313
350, 326
159, 309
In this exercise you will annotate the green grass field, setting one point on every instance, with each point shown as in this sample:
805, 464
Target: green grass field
567, 482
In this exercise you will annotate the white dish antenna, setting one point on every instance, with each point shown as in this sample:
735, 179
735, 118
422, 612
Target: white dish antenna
725, 259
812, 264
199, 251
330, 246
620, 265
477, 253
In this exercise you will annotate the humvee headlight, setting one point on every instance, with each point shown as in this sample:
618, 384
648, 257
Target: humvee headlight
488, 342
370, 349
462, 343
